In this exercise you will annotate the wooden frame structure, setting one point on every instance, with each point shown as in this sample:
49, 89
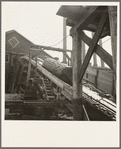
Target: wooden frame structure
102, 20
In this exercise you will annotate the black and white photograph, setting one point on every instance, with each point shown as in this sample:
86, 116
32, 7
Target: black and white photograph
60, 73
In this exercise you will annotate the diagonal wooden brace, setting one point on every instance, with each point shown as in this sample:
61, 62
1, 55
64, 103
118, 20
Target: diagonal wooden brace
103, 54
93, 44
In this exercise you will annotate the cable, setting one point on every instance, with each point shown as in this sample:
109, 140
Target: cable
60, 41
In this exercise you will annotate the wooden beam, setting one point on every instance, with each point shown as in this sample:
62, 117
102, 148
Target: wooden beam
20, 77
70, 22
113, 31
15, 78
105, 33
83, 50
29, 68
77, 88
104, 55
93, 44
102, 62
40, 47
94, 56
64, 39
88, 18
74, 12
90, 27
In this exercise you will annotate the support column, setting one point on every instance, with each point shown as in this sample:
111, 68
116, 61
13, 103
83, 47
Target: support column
29, 68
64, 39
113, 31
94, 56
77, 88
102, 62
83, 50
36, 66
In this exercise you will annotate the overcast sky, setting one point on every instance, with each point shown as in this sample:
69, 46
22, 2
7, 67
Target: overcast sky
38, 22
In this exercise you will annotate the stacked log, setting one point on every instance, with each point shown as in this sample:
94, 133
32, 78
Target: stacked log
62, 71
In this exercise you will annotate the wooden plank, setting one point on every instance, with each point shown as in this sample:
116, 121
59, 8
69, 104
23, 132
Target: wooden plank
104, 87
104, 55
29, 68
90, 27
89, 17
13, 104
14, 79
74, 12
77, 88
86, 116
70, 22
92, 71
32, 104
85, 19
93, 44
113, 30
102, 62
40, 48
64, 39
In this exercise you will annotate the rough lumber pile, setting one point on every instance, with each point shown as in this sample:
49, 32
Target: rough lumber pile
62, 71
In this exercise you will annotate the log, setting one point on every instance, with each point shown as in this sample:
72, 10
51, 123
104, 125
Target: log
62, 71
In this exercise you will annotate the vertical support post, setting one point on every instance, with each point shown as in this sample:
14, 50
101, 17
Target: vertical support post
95, 60
94, 56
77, 88
83, 50
102, 62
64, 39
29, 68
72, 58
15, 79
36, 66
112, 10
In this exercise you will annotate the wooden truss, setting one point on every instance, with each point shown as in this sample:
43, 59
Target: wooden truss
102, 21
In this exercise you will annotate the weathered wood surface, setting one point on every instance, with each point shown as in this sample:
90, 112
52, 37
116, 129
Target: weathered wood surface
104, 55
105, 81
40, 48
93, 44
90, 27
64, 39
91, 16
102, 62
113, 31
60, 70
77, 88
102, 79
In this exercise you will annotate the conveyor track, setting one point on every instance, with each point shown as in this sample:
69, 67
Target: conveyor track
65, 92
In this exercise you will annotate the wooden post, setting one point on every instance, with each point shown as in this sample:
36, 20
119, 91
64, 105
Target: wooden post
15, 78
77, 88
64, 39
113, 31
29, 68
102, 62
20, 78
83, 50
92, 46
36, 66
72, 58
94, 56
103, 54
